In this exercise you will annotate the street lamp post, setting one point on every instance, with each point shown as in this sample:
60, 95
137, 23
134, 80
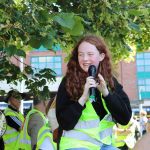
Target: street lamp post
140, 98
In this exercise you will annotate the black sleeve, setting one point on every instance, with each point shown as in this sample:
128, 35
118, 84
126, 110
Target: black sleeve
2, 143
68, 112
118, 104
14, 123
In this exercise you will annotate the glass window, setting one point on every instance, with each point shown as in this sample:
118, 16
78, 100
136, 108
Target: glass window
147, 88
147, 68
147, 81
139, 55
146, 55
50, 65
140, 62
42, 65
57, 59
147, 62
34, 65
143, 67
52, 62
58, 71
57, 65
34, 59
42, 59
50, 59
141, 82
140, 68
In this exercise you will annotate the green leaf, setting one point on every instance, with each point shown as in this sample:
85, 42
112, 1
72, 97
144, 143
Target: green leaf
77, 29
35, 42
47, 42
90, 13
21, 53
134, 26
28, 70
42, 82
65, 20
135, 12
43, 16
17, 2
2, 92
11, 50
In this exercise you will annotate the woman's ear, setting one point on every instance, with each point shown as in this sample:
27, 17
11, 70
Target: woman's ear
102, 56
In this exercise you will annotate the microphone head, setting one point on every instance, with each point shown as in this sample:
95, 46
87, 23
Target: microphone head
92, 71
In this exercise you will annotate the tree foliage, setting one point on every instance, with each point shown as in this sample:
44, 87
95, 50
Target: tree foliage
36, 83
32, 23
121, 23
28, 24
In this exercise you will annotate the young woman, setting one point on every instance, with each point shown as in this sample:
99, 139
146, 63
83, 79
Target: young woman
88, 125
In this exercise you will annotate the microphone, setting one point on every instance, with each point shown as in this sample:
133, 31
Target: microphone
92, 72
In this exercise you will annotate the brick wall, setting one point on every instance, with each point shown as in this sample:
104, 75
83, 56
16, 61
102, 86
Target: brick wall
127, 75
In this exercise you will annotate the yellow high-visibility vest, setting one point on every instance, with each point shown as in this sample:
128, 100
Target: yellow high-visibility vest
44, 132
89, 133
11, 135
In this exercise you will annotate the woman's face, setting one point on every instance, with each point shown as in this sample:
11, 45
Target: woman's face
89, 55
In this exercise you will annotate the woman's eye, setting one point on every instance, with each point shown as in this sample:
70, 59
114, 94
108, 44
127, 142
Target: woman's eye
80, 55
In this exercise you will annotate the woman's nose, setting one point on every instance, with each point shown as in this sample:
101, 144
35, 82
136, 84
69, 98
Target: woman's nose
85, 57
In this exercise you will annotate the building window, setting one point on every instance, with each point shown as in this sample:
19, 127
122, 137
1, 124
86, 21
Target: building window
140, 68
52, 62
143, 74
139, 55
141, 82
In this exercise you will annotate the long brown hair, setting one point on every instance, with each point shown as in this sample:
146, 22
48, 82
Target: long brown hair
76, 77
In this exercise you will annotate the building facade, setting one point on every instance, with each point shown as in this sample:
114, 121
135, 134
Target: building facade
135, 78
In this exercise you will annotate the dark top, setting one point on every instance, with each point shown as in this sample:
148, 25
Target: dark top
68, 112
1, 144
12, 121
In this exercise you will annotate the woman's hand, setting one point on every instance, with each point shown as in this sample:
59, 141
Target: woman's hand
90, 82
102, 87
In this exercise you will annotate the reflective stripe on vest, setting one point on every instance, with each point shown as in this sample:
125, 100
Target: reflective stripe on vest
10, 131
11, 140
77, 148
105, 133
89, 133
45, 133
81, 136
42, 134
25, 141
87, 125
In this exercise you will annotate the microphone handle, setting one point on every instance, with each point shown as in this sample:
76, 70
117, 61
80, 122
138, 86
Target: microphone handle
92, 91
92, 94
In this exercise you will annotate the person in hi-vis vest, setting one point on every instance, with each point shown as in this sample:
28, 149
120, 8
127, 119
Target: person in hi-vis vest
124, 136
14, 120
87, 120
36, 133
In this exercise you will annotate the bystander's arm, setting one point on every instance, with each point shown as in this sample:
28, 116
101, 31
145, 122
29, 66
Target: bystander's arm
35, 123
14, 122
